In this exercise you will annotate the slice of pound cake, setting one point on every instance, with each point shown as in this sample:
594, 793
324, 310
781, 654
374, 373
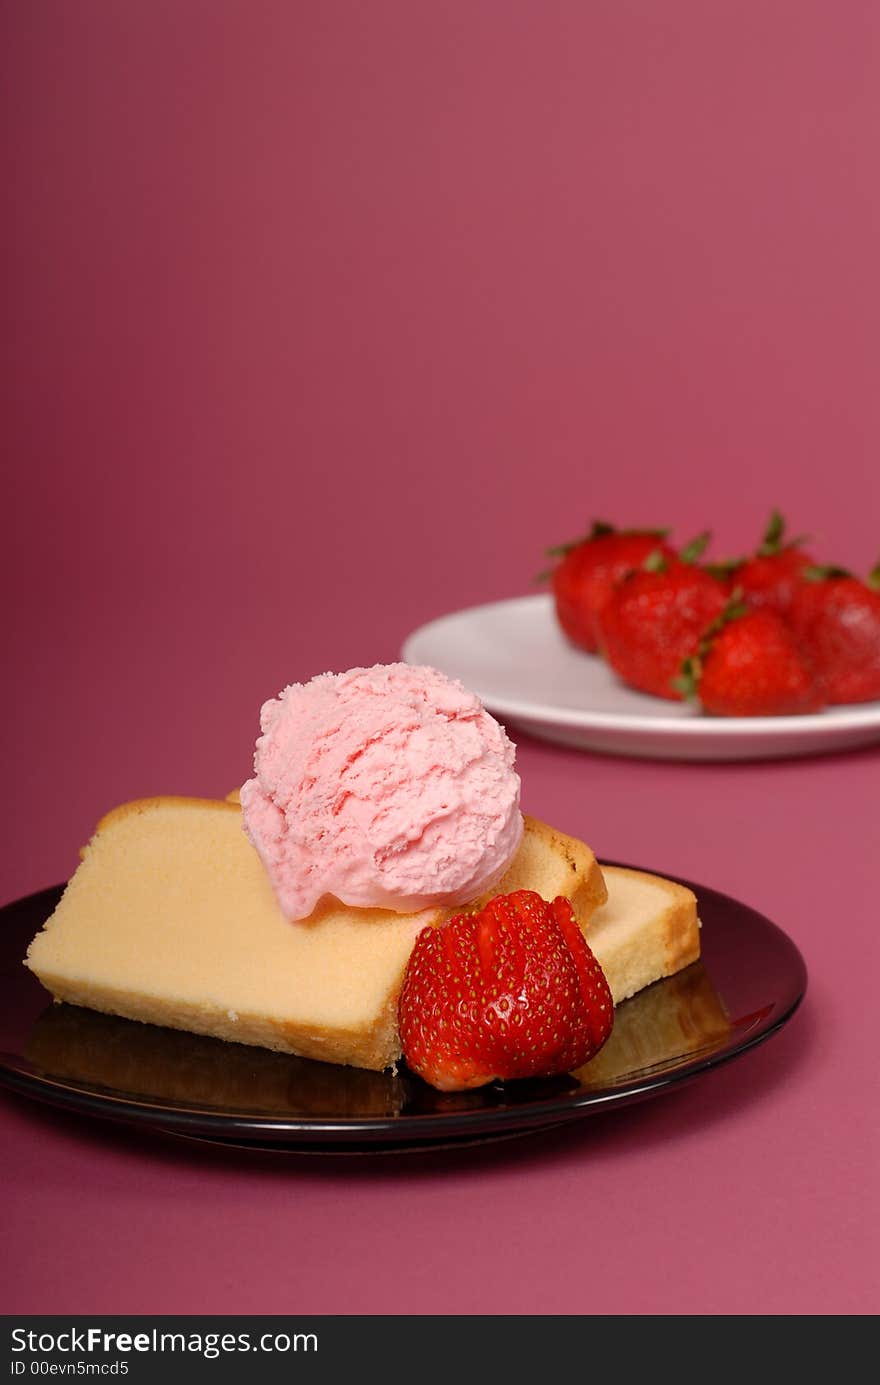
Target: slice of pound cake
647, 929
170, 918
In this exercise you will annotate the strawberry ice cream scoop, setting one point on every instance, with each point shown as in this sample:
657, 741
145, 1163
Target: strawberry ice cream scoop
390, 787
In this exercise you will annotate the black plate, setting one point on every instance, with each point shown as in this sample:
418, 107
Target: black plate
749, 981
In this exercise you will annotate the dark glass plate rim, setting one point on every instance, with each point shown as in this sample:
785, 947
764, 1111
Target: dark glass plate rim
413, 1130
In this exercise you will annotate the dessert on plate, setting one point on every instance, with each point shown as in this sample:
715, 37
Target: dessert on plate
384, 808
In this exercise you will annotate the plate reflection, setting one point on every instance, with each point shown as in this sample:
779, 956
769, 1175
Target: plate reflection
664, 1027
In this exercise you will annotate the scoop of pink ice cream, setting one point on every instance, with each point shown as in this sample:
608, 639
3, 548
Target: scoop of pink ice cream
390, 787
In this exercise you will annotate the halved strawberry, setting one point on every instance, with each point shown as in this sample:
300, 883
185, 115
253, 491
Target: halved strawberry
588, 570
509, 991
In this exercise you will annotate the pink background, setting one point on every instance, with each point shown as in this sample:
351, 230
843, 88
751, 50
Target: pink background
325, 319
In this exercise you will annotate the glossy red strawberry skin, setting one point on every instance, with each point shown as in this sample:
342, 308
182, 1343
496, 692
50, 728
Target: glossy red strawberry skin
755, 666
510, 991
837, 619
653, 622
583, 581
770, 583
769, 578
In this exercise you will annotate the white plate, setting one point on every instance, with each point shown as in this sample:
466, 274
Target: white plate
514, 656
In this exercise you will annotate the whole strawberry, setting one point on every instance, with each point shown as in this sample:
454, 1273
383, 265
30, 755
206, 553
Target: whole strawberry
769, 579
837, 618
750, 664
654, 618
510, 991
589, 568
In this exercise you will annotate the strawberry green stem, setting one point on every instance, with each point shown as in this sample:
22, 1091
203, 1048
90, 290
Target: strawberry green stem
688, 680
772, 543
599, 529
695, 549
824, 573
772, 540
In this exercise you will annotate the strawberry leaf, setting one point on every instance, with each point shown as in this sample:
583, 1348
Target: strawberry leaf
688, 680
656, 561
772, 543
600, 529
824, 573
725, 567
695, 549
772, 540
